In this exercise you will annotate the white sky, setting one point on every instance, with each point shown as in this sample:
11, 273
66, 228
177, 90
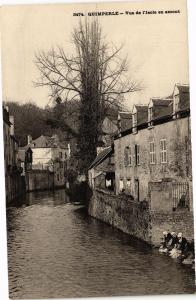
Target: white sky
156, 44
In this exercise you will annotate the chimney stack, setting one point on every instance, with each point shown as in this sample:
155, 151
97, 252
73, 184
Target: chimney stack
29, 139
11, 119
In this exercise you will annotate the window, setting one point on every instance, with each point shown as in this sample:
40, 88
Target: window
134, 116
176, 103
121, 185
152, 153
128, 183
127, 156
137, 155
163, 151
111, 160
150, 114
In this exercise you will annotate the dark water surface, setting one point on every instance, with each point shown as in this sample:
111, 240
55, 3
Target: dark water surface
55, 251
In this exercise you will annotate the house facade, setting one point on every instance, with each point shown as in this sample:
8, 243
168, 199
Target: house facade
48, 153
14, 181
152, 171
156, 148
101, 173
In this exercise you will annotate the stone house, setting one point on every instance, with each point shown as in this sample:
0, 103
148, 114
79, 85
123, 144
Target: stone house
156, 148
25, 157
101, 173
14, 182
152, 171
49, 153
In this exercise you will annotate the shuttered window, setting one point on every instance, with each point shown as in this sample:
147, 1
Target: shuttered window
163, 152
127, 156
152, 153
137, 155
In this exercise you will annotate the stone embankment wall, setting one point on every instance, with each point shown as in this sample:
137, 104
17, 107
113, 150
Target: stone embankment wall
178, 221
122, 213
15, 186
136, 219
37, 180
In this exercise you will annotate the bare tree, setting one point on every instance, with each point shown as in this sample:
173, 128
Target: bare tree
95, 74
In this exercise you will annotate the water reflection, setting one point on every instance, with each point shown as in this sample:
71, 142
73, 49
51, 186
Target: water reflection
55, 251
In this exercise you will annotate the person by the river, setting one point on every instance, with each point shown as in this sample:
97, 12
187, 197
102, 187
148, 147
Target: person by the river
189, 255
165, 241
182, 242
173, 241
178, 247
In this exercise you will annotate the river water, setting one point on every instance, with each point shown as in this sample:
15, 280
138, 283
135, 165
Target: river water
55, 251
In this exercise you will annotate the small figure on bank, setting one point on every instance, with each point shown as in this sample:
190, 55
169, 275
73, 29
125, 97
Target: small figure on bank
165, 241
182, 243
173, 241
179, 247
189, 254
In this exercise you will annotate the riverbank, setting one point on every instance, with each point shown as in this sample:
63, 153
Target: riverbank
48, 236
137, 219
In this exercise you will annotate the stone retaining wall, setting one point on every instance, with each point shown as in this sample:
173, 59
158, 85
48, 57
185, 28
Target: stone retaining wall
178, 221
122, 213
136, 219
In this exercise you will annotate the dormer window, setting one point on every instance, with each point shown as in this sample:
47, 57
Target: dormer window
134, 119
176, 104
150, 114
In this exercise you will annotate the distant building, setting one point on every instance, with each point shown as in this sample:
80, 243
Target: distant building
109, 129
48, 153
14, 182
25, 158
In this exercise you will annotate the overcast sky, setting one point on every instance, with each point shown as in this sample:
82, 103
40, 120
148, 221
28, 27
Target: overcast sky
156, 44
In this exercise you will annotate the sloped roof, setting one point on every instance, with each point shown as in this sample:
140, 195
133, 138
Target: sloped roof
101, 156
21, 154
184, 96
142, 116
162, 107
46, 142
6, 116
161, 102
126, 120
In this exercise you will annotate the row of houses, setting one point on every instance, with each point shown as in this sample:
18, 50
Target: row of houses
150, 156
14, 182
44, 162
40, 165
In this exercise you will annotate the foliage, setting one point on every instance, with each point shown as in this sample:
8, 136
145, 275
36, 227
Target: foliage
30, 119
94, 75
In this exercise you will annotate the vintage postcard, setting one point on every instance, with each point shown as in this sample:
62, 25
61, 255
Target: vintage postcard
97, 149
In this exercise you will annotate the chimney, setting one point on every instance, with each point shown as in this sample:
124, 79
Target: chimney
29, 139
69, 150
99, 149
11, 119
55, 138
